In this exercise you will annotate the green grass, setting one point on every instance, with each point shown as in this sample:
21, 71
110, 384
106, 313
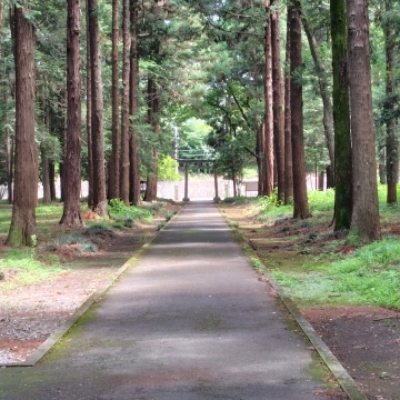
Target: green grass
26, 269
368, 276
121, 212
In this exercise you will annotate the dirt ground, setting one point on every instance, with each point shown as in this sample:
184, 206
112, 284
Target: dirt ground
366, 340
30, 313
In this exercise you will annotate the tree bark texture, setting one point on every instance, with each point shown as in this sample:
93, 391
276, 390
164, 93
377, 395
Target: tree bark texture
392, 142
365, 222
278, 101
72, 158
301, 209
134, 174
268, 115
153, 108
89, 109
260, 160
125, 167
23, 221
114, 171
341, 117
99, 176
288, 121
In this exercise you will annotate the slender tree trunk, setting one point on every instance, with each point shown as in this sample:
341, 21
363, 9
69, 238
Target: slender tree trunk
99, 176
323, 84
114, 171
268, 116
341, 114
134, 174
278, 103
365, 224
153, 108
301, 209
392, 142
72, 160
89, 110
125, 167
288, 122
52, 179
260, 160
45, 175
23, 221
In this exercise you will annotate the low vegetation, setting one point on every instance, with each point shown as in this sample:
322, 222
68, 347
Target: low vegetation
56, 244
317, 266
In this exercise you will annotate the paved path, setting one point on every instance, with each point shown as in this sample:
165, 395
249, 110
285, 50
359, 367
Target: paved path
190, 322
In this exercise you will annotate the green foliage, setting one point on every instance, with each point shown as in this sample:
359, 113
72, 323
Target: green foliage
80, 243
25, 269
167, 169
119, 211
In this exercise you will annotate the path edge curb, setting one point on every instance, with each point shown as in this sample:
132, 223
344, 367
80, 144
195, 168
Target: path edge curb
65, 326
344, 379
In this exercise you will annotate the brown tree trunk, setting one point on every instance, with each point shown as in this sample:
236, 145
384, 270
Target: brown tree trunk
341, 109
301, 209
72, 159
89, 110
125, 167
365, 223
52, 179
268, 116
23, 221
114, 171
279, 139
392, 142
99, 176
134, 174
288, 123
153, 108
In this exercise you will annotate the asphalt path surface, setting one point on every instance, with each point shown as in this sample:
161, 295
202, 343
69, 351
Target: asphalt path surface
191, 321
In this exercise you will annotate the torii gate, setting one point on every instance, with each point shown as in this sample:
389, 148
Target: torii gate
186, 162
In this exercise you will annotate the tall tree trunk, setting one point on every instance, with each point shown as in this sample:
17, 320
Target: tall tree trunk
23, 221
341, 117
365, 224
134, 174
323, 84
279, 138
125, 167
260, 160
89, 110
9, 154
268, 115
72, 160
301, 209
288, 121
99, 176
153, 108
45, 175
392, 142
52, 179
113, 176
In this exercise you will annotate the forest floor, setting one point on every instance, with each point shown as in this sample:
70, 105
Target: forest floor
366, 340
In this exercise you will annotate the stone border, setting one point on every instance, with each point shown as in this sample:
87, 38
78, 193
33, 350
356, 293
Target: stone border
346, 382
54, 337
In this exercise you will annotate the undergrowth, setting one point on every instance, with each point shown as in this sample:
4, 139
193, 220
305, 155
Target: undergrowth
369, 275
